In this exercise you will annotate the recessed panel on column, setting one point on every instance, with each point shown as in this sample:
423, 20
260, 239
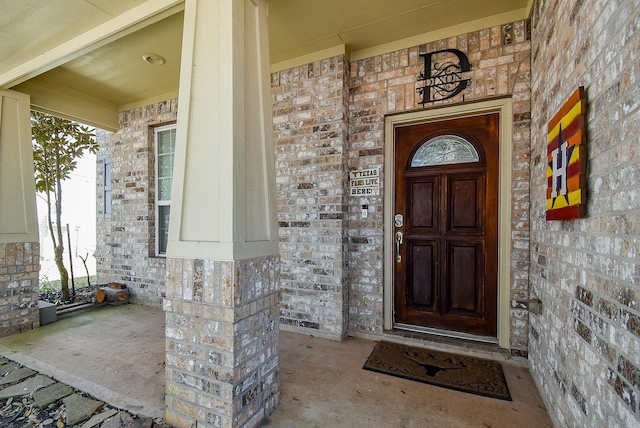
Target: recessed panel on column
18, 218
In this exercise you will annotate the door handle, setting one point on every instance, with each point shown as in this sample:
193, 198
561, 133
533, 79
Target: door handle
398, 243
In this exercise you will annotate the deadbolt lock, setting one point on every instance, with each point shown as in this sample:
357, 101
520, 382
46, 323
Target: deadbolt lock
398, 220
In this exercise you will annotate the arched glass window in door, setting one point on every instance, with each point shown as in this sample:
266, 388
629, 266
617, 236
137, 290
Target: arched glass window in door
445, 150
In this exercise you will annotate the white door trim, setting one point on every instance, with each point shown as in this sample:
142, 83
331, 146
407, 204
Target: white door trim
504, 107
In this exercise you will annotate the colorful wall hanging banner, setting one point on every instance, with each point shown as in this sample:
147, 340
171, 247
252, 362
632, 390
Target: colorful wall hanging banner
567, 160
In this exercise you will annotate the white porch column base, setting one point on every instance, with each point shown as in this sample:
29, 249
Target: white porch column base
19, 268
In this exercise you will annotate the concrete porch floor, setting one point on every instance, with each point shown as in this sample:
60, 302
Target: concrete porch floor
117, 355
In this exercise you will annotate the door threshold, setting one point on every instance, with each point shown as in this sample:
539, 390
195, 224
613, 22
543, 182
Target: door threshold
490, 351
452, 338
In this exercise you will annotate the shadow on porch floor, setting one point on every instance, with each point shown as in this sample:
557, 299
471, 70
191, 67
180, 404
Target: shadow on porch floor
117, 354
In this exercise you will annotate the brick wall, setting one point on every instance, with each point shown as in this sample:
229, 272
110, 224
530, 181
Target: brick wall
310, 134
312, 121
386, 84
328, 119
222, 341
19, 268
126, 250
585, 347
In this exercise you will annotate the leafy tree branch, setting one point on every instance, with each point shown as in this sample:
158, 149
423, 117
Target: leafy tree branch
57, 146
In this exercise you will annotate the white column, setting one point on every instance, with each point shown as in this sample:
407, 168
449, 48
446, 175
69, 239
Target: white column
223, 197
18, 221
223, 264
19, 247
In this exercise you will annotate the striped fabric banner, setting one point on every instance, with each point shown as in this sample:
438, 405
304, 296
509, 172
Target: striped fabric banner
567, 160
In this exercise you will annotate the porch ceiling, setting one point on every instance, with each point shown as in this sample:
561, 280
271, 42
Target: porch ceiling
91, 50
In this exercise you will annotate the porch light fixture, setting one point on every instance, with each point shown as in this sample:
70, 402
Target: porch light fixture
153, 59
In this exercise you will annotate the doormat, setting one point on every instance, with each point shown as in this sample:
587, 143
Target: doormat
459, 372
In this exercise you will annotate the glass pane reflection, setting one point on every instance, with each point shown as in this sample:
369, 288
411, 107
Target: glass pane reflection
445, 150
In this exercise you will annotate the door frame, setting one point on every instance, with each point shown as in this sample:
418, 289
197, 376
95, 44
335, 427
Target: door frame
504, 107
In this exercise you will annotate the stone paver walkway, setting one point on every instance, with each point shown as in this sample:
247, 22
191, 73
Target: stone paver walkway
31, 400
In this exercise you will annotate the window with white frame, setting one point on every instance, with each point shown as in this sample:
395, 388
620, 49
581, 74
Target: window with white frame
165, 139
106, 187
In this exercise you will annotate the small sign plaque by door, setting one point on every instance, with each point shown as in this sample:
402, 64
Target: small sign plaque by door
364, 182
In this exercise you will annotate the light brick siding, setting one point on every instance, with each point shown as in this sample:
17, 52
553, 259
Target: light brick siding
19, 267
382, 85
126, 252
311, 123
328, 119
222, 341
585, 348
310, 128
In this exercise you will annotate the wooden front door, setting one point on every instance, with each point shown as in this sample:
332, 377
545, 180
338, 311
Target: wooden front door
446, 224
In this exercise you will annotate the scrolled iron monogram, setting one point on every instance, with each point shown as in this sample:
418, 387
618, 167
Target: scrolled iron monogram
443, 80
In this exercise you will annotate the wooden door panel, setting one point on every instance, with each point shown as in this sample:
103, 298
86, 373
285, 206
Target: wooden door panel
424, 204
423, 275
465, 201
465, 273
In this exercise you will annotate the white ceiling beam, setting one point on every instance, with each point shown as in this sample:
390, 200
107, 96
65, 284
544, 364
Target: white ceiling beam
73, 105
132, 20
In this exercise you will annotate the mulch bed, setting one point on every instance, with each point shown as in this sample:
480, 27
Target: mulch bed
85, 294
